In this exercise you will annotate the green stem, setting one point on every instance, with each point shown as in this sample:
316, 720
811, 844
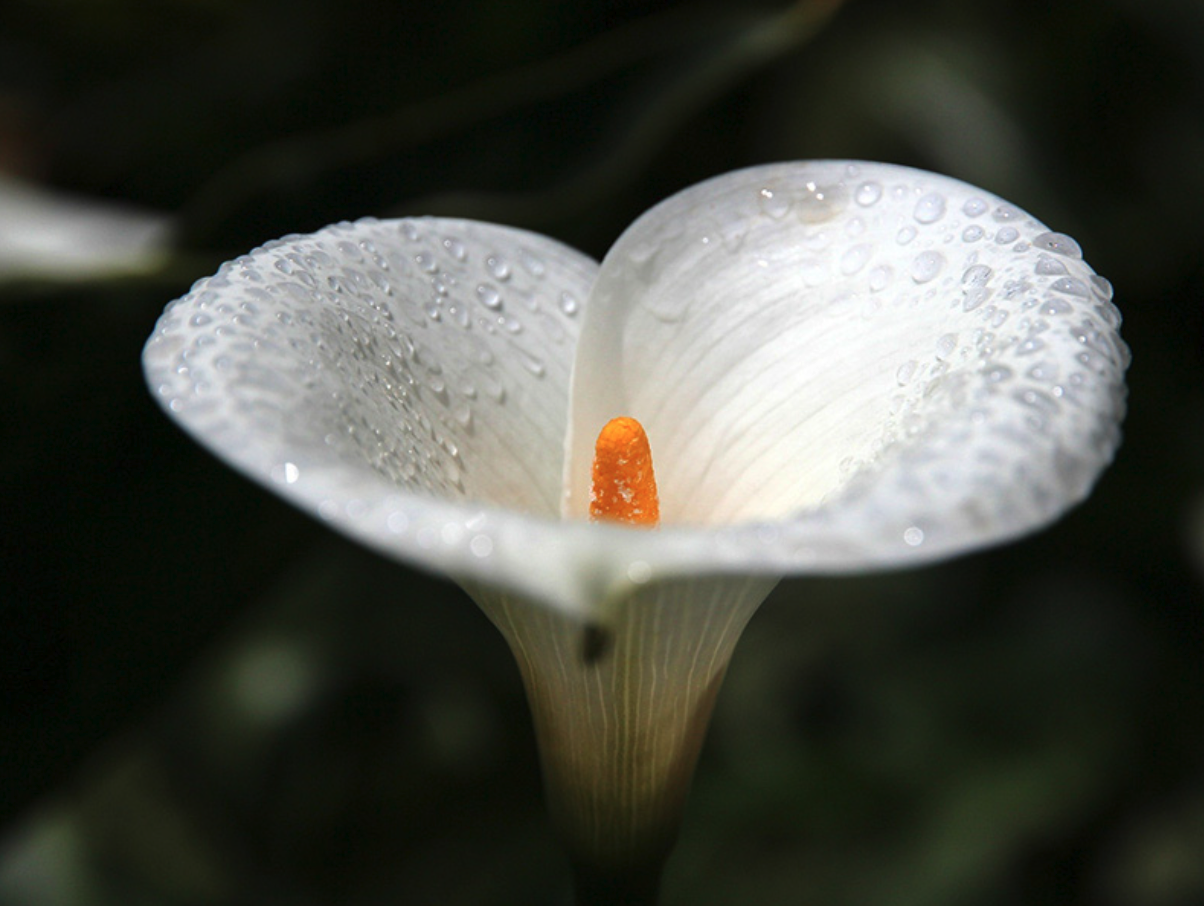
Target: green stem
620, 713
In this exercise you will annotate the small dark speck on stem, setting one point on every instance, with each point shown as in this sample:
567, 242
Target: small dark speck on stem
595, 644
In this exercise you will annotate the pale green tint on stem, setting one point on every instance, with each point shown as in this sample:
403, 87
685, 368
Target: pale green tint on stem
620, 712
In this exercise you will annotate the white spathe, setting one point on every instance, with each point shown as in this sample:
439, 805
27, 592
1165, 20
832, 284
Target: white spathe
841, 366
50, 235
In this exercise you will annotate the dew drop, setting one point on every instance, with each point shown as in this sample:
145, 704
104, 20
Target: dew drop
498, 266
972, 233
930, 208
200, 320
531, 362
820, 203
1059, 244
1101, 287
906, 372
569, 304
1007, 235
880, 277
481, 546
1109, 313
1037, 399
977, 276
1071, 286
1056, 307
853, 260
905, 235
639, 571
926, 265
455, 248
868, 193
1049, 267
913, 536
531, 264
1043, 372
773, 203
975, 297
974, 207
997, 374
489, 297
1029, 346
945, 345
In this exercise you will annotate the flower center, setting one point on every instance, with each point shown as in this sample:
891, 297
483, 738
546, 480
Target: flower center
624, 488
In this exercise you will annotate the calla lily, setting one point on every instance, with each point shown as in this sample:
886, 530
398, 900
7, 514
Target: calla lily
841, 367
47, 234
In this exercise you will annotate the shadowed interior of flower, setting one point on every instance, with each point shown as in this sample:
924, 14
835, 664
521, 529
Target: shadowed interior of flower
841, 366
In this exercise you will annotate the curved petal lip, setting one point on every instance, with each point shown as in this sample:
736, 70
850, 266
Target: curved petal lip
1011, 440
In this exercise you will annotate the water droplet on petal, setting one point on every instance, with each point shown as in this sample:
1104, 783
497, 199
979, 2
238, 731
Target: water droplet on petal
569, 304
489, 297
1007, 235
997, 374
531, 362
906, 372
880, 277
1029, 346
639, 572
974, 207
820, 203
972, 233
481, 546
1059, 244
977, 275
774, 203
926, 265
498, 266
868, 193
975, 297
946, 345
1049, 267
913, 536
1101, 287
531, 264
855, 259
1056, 307
1072, 286
930, 208
455, 248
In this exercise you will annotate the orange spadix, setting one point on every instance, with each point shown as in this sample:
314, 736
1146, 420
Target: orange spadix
624, 487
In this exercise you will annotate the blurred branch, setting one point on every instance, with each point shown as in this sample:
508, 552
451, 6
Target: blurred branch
752, 48
294, 160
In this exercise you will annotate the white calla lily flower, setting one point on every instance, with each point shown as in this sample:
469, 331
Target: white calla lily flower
45, 234
840, 366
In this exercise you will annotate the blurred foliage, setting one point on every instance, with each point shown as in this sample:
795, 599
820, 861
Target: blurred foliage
208, 699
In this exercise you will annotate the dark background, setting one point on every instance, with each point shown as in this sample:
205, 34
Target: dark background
206, 698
